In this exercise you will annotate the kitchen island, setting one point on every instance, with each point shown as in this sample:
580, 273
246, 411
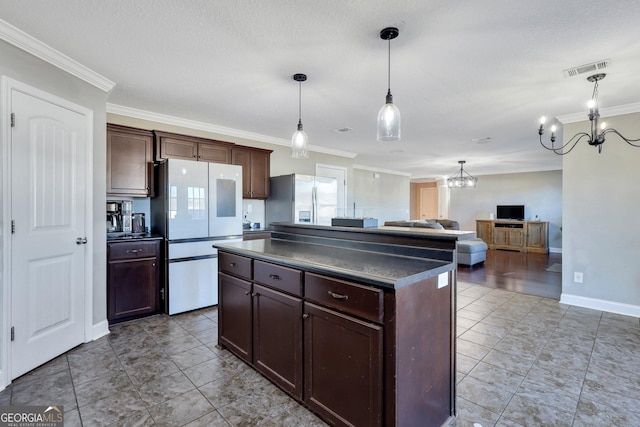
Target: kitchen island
358, 325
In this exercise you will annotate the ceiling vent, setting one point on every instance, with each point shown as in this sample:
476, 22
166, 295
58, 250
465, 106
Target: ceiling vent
343, 130
594, 67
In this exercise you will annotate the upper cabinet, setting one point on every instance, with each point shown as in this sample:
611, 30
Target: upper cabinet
175, 146
129, 161
255, 171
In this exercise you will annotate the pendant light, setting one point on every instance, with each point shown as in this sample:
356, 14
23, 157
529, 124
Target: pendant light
300, 140
389, 115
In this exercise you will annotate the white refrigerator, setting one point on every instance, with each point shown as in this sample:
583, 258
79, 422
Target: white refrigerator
302, 199
197, 204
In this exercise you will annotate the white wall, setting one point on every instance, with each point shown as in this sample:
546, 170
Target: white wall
380, 195
539, 192
601, 202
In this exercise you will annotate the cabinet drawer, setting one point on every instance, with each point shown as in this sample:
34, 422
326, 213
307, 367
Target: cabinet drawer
235, 264
129, 250
359, 300
278, 277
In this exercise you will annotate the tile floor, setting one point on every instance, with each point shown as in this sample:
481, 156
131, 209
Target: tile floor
522, 361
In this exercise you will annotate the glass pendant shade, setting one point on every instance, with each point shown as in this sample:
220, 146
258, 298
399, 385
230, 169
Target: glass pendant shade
299, 143
389, 121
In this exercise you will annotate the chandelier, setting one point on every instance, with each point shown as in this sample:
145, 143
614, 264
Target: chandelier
598, 130
461, 179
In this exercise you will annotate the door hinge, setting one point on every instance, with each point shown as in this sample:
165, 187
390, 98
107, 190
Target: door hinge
13, 120
13, 333
13, 226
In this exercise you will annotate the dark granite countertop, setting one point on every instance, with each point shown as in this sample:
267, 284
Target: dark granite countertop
400, 231
130, 237
378, 269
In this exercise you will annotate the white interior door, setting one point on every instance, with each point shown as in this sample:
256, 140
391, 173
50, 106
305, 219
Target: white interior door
48, 209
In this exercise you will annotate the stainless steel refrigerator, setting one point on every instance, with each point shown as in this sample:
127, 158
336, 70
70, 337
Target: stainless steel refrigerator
197, 204
302, 199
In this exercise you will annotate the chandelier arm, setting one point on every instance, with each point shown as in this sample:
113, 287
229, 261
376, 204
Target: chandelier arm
627, 140
560, 150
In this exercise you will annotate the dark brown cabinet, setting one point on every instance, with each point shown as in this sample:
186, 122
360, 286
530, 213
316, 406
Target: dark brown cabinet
234, 324
129, 161
176, 146
319, 338
255, 171
343, 367
132, 279
277, 338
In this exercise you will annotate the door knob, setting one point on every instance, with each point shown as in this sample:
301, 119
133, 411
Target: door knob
81, 241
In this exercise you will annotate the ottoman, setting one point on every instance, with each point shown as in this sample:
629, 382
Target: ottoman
472, 251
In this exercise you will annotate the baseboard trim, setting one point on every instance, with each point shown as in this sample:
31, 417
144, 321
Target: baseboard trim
602, 305
100, 330
555, 250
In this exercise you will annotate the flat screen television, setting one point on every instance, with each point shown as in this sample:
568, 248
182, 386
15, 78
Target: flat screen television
510, 212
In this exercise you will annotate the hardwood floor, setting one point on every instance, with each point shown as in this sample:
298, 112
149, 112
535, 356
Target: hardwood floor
516, 271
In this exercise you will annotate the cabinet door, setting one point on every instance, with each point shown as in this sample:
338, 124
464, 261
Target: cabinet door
234, 315
501, 236
537, 235
132, 288
178, 149
129, 153
516, 237
214, 153
242, 158
255, 171
484, 230
260, 161
277, 338
344, 386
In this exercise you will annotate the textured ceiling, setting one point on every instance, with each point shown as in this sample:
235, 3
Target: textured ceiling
459, 70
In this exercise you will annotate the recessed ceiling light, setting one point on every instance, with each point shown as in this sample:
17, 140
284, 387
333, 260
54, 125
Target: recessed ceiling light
484, 140
343, 130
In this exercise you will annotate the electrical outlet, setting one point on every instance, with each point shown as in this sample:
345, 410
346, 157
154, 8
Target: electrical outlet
249, 208
577, 277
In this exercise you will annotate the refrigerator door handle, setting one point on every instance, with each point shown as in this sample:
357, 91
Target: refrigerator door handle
314, 205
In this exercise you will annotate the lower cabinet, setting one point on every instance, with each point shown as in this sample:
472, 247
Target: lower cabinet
234, 322
277, 338
265, 319
343, 367
355, 354
132, 279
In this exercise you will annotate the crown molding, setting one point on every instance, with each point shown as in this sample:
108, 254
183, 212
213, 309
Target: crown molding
375, 169
35, 47
208, 127
608, 112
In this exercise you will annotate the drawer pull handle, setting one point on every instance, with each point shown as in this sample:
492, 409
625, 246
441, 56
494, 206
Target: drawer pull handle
134, 251
275, 277
233, 264
338, 296
248, 293
305, 316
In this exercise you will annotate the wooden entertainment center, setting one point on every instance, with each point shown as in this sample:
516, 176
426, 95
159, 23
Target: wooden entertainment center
523, 236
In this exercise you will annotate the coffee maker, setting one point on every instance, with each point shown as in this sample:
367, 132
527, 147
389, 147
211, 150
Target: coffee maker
119, 216
114, 219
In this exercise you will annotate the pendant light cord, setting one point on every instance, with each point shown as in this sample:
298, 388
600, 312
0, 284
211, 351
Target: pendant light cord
299, 102
389, 66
